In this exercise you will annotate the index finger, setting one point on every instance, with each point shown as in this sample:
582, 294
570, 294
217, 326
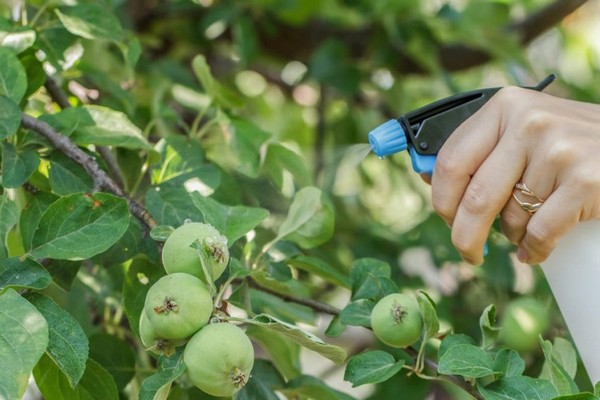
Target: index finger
460, 157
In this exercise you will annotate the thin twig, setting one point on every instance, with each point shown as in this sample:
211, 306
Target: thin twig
61, 98
314, 304
100, 178
57, 94
111, 164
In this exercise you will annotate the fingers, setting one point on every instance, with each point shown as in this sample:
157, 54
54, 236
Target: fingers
558, 215
462, 154
485, 196
540, 179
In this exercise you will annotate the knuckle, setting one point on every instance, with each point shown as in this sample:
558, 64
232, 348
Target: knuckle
447, 163
585, 182
507, 95
560, 153
475, 201
535, 122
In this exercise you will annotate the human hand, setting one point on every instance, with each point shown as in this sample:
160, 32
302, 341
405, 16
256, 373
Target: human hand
520, 135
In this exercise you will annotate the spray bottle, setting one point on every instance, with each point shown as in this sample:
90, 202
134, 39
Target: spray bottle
573, 268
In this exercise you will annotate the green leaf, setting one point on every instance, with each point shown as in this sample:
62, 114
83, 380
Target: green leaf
96, 383
248, 140
67, 177
63, 272
171, 205
565, 355
23, 273
13, 79
17, 166
9, 215
335, 328
213, 88
91, 21
431, 324
305, 204
62, 49
509, 363
169, 369
284, 353
309, 387
466, 360
245, 38
102, 126
319, 228
554, 372
80, 226
141, 275
237, 269
487, 320
578, 396
19, 39
279, 159
36, 76
371, 279
115, 355
161, 233
68, 345
23, 339
30, 217
358, 313
518, 388
453, 340
320, 268
371, 367
232, 221
10, 117
132, 243
300, 336
182, 160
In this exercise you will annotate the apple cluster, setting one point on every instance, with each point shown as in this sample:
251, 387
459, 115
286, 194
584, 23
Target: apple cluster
178, 309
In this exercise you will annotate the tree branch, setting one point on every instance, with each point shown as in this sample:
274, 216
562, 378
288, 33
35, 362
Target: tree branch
56, 93
100, 178
61, 98
314, 304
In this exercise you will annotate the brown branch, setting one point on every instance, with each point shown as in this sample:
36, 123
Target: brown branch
111, 164
61, 98
57, 94
100, 178
314, 304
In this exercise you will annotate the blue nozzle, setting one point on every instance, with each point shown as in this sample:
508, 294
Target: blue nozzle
388, 138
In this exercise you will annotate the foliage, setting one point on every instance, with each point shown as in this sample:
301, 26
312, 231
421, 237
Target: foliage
120, 121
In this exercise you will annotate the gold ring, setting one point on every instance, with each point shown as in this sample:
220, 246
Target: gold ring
525, 191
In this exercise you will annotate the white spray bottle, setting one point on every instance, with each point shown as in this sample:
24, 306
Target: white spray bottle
572, 270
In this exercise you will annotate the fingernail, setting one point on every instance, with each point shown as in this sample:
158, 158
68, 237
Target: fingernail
522, 255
